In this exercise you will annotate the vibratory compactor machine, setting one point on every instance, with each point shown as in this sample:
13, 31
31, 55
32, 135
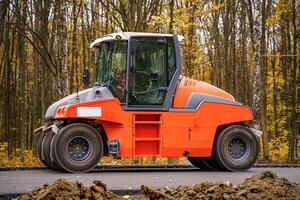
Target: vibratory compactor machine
140, 105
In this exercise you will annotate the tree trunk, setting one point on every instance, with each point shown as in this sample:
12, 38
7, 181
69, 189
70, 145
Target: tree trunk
62, 48
171, 26
264, 71
257, 65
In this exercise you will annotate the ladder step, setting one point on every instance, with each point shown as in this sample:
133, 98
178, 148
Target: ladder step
148, 122
147, 139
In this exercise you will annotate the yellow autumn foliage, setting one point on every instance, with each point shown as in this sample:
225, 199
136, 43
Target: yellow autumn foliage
18, 158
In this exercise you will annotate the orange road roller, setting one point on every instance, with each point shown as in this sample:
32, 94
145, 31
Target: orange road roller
141, 106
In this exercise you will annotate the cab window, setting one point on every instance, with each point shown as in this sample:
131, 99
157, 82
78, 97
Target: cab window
152, 65
111, 67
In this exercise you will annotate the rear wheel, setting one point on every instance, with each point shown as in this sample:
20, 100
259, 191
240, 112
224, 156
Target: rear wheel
198, 162
211, 164
204, 163
193, 161
236, 148
78, 148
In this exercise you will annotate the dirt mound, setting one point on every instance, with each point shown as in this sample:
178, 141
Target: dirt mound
63, 189
266, 185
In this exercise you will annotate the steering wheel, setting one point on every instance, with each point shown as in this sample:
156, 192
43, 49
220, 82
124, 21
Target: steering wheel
143, 72
146, 77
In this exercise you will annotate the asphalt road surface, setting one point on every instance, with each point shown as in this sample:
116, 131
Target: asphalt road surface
16, 182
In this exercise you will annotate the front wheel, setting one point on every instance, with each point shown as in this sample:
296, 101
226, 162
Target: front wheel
78, 148
236, 148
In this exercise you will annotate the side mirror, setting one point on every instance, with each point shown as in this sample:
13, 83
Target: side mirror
86, 77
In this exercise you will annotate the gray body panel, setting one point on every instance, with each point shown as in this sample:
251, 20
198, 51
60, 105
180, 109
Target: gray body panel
195, 101
196, 98
90, 94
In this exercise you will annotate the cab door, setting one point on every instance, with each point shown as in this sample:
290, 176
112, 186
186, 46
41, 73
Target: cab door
151, 67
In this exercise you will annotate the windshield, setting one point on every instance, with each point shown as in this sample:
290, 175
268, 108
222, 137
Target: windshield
111, 67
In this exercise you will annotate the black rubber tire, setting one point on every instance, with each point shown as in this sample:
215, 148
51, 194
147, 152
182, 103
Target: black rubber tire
39, 148
65, 137
47, 152
200, 163
223, 154
211, 164
192, 160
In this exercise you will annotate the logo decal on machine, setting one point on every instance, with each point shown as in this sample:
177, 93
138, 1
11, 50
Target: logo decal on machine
89, 111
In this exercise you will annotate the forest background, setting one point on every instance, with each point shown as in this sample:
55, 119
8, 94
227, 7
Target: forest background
249, 48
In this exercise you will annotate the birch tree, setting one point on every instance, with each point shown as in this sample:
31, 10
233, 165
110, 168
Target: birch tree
62, 48
257, 78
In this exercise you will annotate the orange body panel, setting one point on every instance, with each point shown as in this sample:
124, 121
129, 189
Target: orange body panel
158, 133
188, 85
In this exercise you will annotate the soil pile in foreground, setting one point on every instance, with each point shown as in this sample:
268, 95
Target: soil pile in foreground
266, 185
63, 189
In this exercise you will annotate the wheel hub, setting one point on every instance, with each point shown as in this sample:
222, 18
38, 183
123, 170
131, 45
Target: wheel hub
237, 148
79, 148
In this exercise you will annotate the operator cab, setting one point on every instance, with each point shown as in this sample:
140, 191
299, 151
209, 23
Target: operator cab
140, 69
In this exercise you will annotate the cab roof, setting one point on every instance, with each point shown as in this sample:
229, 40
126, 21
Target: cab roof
127, 35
